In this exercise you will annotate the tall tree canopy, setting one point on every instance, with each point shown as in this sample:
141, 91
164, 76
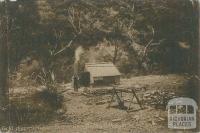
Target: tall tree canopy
156, 32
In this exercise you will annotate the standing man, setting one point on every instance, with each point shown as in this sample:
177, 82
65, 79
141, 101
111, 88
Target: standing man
76, 82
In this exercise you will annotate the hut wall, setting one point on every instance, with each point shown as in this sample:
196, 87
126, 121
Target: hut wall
107, 80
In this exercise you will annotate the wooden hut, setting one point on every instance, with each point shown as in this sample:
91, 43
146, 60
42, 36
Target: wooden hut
103, 73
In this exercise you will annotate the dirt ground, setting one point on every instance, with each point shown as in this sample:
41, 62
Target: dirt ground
86, 111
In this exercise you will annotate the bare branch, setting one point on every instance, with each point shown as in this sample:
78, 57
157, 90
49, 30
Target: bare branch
74, 19
149, 43
67, 46
79, 24
71, 18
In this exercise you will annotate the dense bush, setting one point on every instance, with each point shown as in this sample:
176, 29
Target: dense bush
37, 108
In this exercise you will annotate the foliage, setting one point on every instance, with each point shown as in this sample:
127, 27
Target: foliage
164, 31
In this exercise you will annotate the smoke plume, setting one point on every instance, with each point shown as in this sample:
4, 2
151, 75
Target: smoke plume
78, 53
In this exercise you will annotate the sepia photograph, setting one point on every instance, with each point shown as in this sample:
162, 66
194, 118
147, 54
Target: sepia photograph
99, 66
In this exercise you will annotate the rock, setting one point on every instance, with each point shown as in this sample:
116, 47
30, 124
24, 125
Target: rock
88, 103
153, 123
157, 115
60, 111
100, 102
137, 86
116, 120
136, 117
160, 118
147, 94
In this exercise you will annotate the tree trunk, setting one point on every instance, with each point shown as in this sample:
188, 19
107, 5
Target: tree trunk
115, 54
3, 69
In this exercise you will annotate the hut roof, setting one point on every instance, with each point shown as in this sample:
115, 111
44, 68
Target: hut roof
102, 69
